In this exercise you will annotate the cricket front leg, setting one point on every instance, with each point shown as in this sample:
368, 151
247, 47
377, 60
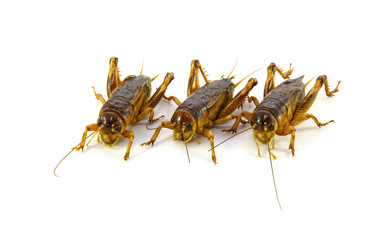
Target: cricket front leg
130, 135
289, 129
166, 124
90, 127
246, 114
209, 135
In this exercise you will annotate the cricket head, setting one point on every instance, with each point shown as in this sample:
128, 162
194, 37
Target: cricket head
184, 125
111, 126
264, 125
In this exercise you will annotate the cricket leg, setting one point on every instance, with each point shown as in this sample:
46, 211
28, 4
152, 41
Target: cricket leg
113, 79
289, 129
90, 127
99, 96
130, 135
270, 80
172, 98
193, 80
301, 112
143, 114
209, 135
166, 124
246, 114
159, 93
253, 99
238, 99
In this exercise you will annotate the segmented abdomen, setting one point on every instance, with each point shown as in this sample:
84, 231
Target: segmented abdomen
118, 104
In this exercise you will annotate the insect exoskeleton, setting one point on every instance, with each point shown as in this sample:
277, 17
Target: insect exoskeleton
184, 124
282, 108
129, 101
205, 107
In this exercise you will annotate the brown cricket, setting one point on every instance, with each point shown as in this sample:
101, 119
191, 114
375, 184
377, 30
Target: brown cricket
128, 102
205, 107
282, 108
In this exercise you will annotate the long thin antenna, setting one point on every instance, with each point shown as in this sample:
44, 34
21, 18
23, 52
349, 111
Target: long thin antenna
54, 170
230, 138
188, 156
246, 77
272, 172
233, 68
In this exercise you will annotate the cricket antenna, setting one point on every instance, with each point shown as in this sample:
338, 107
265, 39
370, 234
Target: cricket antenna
188, 156
54, 170
272, 172
230, 138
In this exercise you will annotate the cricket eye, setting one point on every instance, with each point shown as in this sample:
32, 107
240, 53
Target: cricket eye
99, 123
118, 128
271, 126
189, 126
252, 122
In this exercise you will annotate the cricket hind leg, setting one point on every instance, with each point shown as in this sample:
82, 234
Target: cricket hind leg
238, 99
301, 112
152, 102
113, 79
159, 93
193, 81
270, 80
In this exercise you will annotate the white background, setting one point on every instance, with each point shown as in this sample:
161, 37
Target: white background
52, 53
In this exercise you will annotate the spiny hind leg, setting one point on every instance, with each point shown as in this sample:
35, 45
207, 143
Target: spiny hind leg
270, 80
159, 93
238, 99
130, 135
193, 80
301, 112
328, 92
113, 79
306, 116
90, 127
286, 74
